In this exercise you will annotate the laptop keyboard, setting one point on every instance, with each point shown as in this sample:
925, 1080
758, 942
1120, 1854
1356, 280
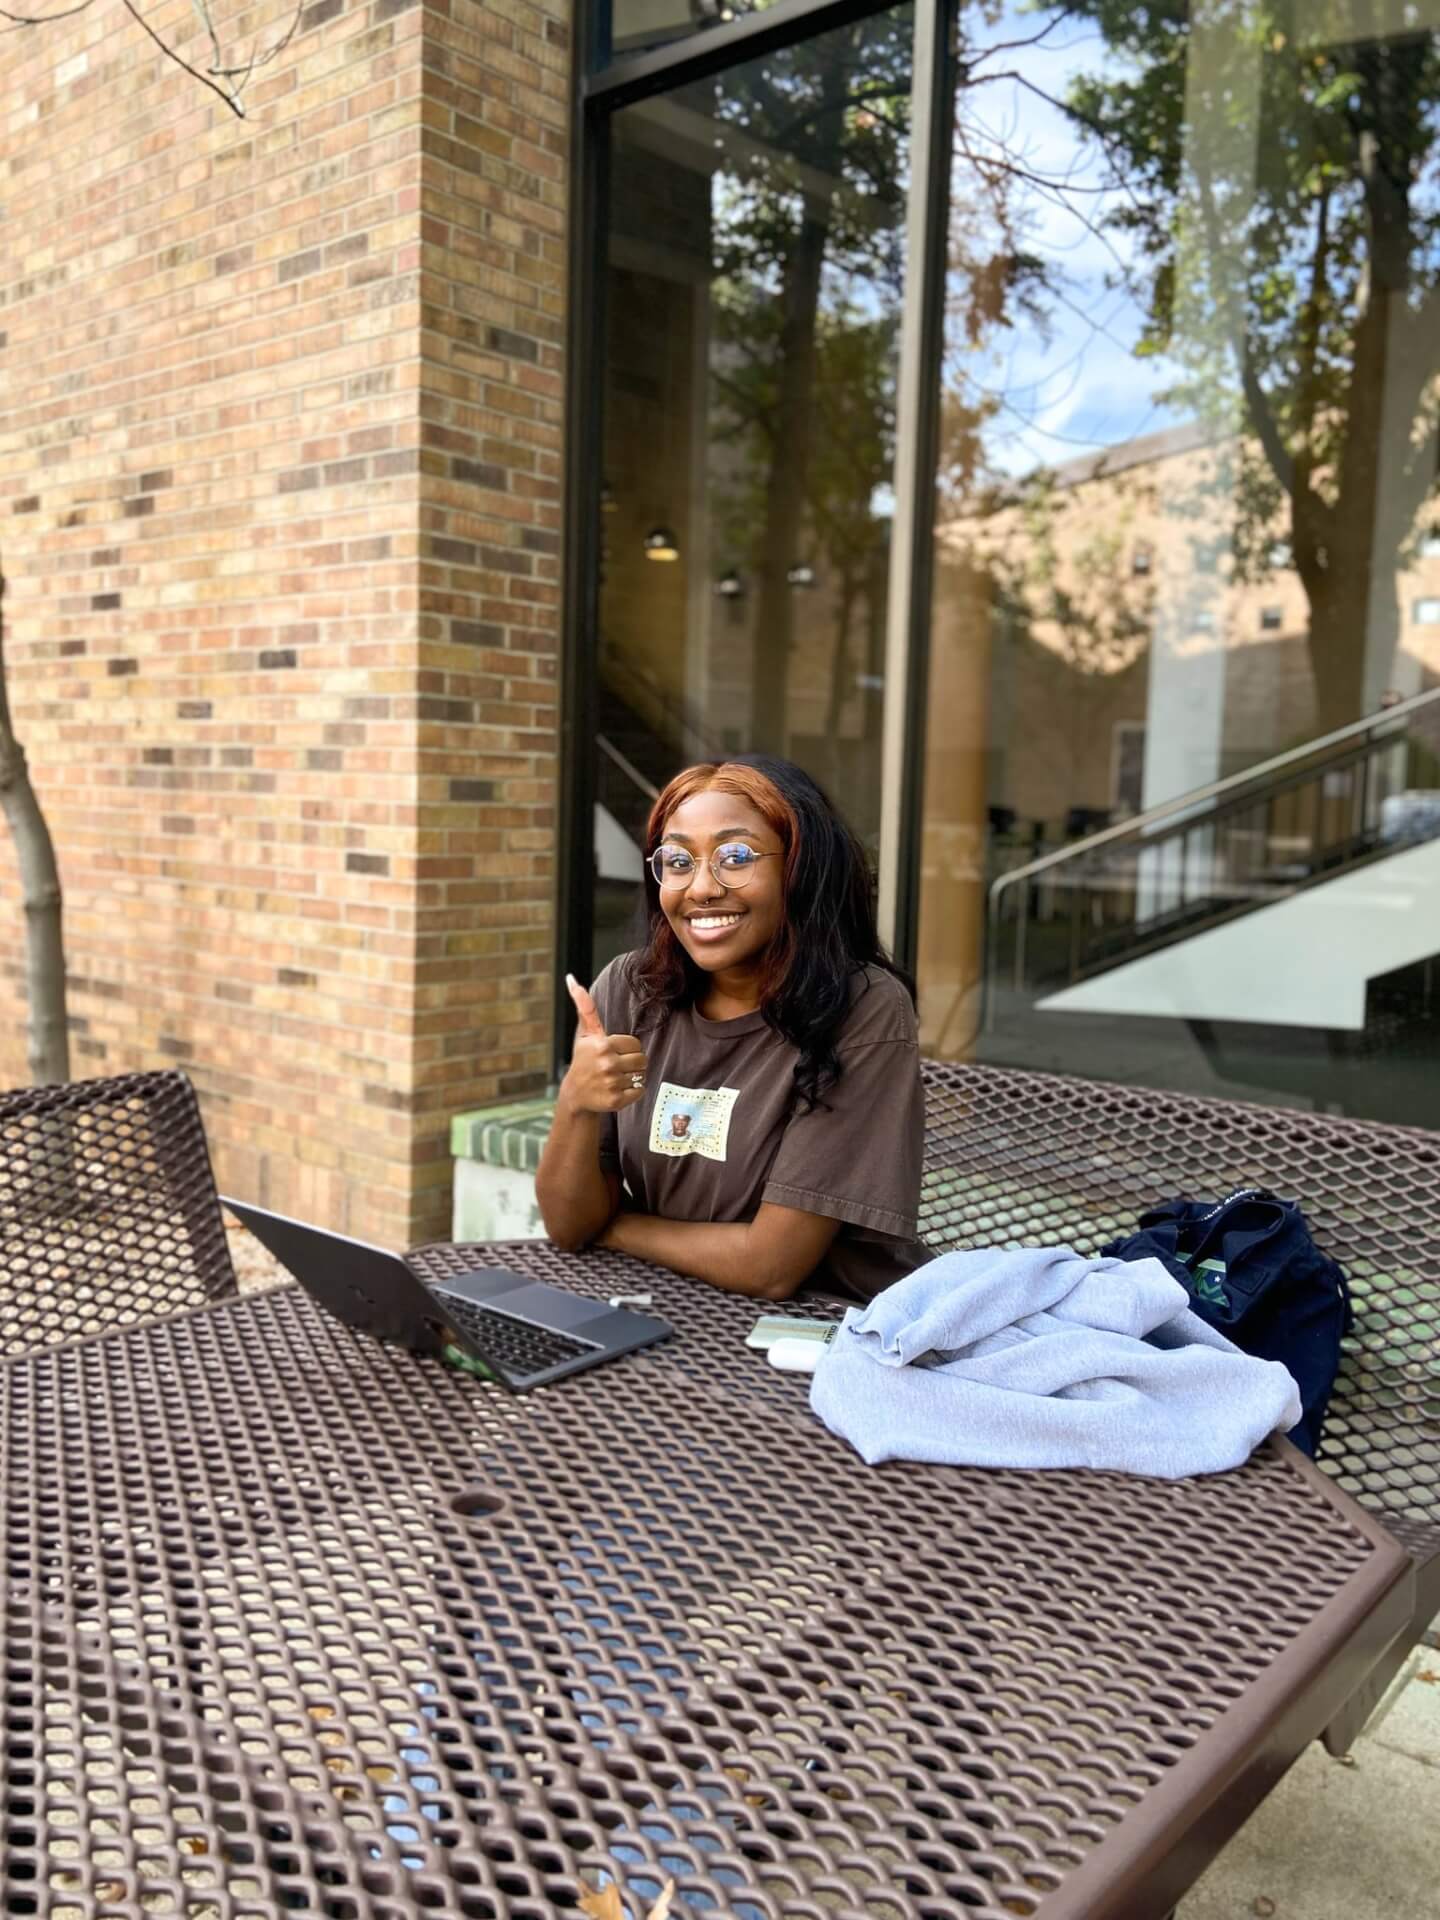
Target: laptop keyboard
514, 1346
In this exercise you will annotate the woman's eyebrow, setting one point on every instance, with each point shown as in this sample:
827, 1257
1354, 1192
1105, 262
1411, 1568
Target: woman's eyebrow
723, 833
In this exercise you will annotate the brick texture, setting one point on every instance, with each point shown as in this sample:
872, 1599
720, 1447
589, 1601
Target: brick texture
279, 515
492, 286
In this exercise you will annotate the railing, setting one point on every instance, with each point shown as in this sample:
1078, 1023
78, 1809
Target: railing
667, 715
1217, 852
622, 789
628, 771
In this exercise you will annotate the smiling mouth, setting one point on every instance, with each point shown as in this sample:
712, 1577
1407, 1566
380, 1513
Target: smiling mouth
713, 922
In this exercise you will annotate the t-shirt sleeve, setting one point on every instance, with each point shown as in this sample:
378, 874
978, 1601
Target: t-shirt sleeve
611, 995
857, 1157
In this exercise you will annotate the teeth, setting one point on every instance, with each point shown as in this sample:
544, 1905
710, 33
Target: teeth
715, 920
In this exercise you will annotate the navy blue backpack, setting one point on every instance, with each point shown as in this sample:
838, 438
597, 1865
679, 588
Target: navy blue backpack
1254, 1273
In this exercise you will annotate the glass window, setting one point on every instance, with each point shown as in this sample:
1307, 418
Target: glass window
756, 273
1128, 765
634, 26
1193, 311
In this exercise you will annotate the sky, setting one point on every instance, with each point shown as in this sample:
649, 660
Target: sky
1076, 387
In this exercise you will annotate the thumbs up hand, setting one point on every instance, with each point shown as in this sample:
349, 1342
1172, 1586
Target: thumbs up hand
607, 1070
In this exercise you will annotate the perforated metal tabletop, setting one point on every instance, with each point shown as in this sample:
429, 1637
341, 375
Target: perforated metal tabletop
296, 1622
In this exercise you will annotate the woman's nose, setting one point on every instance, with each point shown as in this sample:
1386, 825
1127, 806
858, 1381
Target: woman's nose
703, 884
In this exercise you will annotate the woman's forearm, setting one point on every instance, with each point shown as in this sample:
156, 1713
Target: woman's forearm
767, 1258
575, 1198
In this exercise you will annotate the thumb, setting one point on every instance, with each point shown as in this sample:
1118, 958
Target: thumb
585, 1007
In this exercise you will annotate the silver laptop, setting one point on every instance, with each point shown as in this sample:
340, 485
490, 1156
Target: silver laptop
521, 1332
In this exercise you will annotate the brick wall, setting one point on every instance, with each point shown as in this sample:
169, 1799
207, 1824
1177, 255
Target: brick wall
279, 426
496, 100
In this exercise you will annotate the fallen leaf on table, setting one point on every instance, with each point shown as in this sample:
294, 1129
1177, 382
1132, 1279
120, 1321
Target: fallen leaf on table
602, 1903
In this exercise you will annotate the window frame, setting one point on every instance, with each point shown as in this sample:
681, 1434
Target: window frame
600, 88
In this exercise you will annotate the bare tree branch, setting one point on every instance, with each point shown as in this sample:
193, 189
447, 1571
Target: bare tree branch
202, 13
227, 82
231, 100
1015, 46
42, 19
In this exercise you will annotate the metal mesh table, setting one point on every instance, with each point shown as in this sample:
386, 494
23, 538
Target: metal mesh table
1025, 1159
108, 1212
296, 1621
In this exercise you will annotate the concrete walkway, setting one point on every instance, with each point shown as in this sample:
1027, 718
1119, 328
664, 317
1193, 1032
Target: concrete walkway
1357, 1839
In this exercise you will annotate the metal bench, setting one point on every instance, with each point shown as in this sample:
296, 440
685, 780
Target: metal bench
1015, 1158
108, 1214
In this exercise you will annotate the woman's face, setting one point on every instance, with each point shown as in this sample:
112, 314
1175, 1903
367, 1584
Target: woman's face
724, 927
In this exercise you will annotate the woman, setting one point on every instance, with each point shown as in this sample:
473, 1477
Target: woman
744, 1101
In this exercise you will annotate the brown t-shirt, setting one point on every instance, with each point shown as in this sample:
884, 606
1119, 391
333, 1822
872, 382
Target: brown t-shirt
719, 1130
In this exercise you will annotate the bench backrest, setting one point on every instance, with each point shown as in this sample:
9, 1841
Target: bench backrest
108, 1214
1015, 1158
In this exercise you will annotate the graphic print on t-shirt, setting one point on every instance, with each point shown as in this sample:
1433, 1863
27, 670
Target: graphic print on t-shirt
692, 1120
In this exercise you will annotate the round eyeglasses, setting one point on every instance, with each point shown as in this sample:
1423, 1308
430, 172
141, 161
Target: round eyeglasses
732, 864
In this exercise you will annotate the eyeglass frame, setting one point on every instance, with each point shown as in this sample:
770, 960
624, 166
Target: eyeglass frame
730, 886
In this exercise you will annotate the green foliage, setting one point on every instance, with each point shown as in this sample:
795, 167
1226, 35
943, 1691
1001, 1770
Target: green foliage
1283, 197
1269, 193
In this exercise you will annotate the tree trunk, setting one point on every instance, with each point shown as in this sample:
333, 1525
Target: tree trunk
794, 421
841, 668
1348, 552
785, 486
49, 1040
1339, 608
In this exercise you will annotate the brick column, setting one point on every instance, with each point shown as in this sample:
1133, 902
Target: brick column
496, 94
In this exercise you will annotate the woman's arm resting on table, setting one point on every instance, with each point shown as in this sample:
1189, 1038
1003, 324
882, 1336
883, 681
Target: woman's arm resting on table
769, 1258
577, 1197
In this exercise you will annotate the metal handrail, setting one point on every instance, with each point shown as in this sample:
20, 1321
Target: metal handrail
1261, 775
631, 772
675, 708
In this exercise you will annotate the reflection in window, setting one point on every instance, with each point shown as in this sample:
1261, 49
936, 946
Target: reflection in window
1128, 765
756, 249
1193, 313
637, 25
